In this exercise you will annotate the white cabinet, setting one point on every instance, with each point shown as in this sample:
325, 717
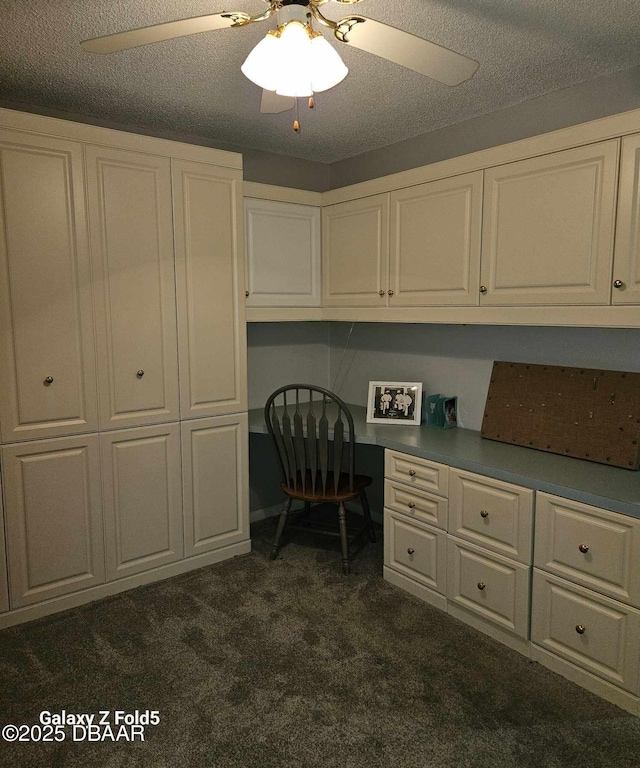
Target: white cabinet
548, 228
589, 545
210, 281
485, 587
142, 495
626, 265
47, 356
491, 514
53, 517
283, 254
4, 584
130, 223
585, 622
355, 253
215, 482
435, 242
587, 630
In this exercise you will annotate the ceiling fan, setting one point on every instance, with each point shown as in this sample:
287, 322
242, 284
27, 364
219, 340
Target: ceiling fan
313, 65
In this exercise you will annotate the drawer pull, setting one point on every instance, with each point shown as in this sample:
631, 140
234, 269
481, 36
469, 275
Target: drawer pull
410, 551
580, 628
584, 548
48, 380
411, 504
481, 585
484, 513
140, 373
412, 472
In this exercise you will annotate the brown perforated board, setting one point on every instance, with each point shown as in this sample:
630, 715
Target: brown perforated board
586, 413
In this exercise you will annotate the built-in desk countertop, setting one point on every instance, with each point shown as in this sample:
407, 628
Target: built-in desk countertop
597, 484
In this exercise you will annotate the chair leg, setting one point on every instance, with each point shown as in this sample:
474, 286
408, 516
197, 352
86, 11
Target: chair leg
281, 524
342, 515
367, 514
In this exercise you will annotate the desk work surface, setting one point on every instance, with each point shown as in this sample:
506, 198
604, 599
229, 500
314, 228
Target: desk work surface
602, 486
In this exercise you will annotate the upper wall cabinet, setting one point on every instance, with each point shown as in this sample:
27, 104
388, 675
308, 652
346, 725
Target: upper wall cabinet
626, 267
210, 282
548, 228
435, 242
47, 356
355, 253
130, 223
283, 254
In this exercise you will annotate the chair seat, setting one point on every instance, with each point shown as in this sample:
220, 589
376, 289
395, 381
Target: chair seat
313, 492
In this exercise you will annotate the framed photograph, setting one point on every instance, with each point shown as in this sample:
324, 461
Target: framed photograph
394, 402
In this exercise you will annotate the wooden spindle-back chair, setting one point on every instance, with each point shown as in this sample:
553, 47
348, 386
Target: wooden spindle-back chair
314, 437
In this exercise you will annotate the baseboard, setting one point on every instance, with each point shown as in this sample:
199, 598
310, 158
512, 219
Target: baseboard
262, 514
515, 642
602, 688
417, 590
65, 602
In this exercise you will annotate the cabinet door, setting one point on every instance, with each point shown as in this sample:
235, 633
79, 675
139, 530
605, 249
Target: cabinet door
415, 550
355, 253
594, 632
53, 517
4, 585
435, 242
215, 481
210, 282
283, 254
142, 498
47, 356
626, 264
548, 228
132, 254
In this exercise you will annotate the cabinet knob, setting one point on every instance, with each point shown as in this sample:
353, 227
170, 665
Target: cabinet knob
390, 292
481, 585
246, 293
381, 292
483, 289
412, 472
48, 380
140, 373
484, 513
584, 548
618, 284
411, 505
410, 551
580, 629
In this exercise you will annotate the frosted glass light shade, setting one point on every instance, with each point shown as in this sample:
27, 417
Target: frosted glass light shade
292, 63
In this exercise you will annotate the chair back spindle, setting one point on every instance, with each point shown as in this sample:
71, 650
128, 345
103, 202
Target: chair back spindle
313, 432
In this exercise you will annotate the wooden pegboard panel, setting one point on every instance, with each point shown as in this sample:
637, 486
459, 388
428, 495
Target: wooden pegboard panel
582, 412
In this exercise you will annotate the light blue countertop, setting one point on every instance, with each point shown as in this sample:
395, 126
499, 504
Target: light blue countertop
602, 486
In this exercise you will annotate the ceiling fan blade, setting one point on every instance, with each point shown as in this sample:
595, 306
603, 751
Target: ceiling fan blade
121, 41
408, 50
272, 102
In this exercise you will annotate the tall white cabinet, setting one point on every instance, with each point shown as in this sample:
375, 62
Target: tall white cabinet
122, 330
47, 353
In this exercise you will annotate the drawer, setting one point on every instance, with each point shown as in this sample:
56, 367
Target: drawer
495, 515
418, 473
415, 550
493, 587
418, 505
594, 632
590, 546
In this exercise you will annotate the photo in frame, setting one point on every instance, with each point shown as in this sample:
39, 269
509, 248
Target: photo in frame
394, 402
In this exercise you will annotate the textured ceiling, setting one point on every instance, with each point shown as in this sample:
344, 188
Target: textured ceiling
193, 86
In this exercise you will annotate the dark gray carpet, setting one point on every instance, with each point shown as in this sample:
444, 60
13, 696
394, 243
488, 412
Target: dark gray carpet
261, 664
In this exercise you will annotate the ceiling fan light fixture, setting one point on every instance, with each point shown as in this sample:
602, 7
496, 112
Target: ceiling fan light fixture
294, 61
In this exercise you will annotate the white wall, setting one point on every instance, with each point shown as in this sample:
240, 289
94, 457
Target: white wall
457, 359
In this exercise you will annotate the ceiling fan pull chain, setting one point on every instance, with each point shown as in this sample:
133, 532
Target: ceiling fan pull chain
296, 122
312, 102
